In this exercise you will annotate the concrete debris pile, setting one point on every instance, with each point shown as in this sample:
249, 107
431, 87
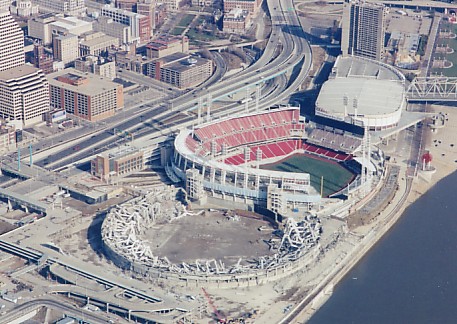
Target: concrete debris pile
126, 225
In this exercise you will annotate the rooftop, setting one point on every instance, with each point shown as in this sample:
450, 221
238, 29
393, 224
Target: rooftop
376, 88
97, 40
164, 40
17, 72
95, 84
70, 23
373, 96
353, 66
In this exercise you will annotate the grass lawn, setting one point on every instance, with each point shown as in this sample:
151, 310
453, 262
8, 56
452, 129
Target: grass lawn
335, 176
186, 20
177, 30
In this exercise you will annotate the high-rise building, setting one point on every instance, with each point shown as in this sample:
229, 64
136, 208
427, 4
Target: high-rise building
24, 94
65, 48
11, 42
363, 30
24, 90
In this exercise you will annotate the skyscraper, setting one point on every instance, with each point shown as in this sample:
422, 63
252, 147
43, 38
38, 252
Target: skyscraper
11, 42
363, 30
24, 90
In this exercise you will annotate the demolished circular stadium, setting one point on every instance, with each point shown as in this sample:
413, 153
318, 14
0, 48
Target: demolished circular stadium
126, 241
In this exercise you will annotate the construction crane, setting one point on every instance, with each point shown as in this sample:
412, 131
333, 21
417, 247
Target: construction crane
219, 316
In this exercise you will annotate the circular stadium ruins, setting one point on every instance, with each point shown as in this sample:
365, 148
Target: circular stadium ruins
154, 236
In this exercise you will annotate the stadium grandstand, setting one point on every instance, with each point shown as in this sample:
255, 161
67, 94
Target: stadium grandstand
221, 159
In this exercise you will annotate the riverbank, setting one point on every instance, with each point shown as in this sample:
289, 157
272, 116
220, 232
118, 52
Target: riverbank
444, 151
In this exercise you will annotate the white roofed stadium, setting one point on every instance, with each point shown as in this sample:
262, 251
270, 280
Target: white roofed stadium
363, 92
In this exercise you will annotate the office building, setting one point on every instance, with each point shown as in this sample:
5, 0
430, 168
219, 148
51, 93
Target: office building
23, 8
96, 43
24, 91
24, 94
85, 95
44, 26
109, 27
167, 45
65, 48
147, 8
363, 30
139, 25
117, 164
180, 70
68, 7
11, 42
250, 5
97, 65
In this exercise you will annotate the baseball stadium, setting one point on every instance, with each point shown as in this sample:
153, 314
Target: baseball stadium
269, 158
285, 168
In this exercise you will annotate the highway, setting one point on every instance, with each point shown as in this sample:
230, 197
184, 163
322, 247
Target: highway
287, 37
65, 308
284, 65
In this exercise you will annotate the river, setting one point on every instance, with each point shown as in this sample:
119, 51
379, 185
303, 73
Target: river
410, 276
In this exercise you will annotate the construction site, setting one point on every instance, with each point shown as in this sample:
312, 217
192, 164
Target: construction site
156, 236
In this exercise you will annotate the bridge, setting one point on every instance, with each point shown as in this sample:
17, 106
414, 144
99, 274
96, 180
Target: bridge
23, 200
427, 89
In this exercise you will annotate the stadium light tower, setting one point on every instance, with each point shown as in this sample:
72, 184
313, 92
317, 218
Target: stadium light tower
355, 103
345, 103
199, 110
246, 101
257, 96
209, 101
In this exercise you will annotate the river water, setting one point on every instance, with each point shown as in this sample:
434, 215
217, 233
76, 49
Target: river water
410, 276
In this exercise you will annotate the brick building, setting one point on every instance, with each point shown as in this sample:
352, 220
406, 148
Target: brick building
88, 96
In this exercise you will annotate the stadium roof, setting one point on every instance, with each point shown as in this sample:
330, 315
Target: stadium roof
353, 66
375, 88
373, 97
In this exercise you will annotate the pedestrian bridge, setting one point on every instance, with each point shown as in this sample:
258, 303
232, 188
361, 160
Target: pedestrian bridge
440, 88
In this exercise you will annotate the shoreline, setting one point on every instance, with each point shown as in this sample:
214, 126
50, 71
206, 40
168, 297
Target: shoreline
410, 189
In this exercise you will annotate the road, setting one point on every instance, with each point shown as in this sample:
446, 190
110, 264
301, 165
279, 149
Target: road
52, 304
295, 54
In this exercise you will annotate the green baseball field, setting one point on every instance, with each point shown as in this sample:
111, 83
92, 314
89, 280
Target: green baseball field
335, 176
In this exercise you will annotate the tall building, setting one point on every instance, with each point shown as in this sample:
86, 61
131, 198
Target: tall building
363, 30
24, 94
65, 48
147, 8
87, 96
139, 25
24, 90
11, 42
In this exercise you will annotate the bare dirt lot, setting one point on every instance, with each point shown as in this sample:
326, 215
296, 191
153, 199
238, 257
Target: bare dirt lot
210, 236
